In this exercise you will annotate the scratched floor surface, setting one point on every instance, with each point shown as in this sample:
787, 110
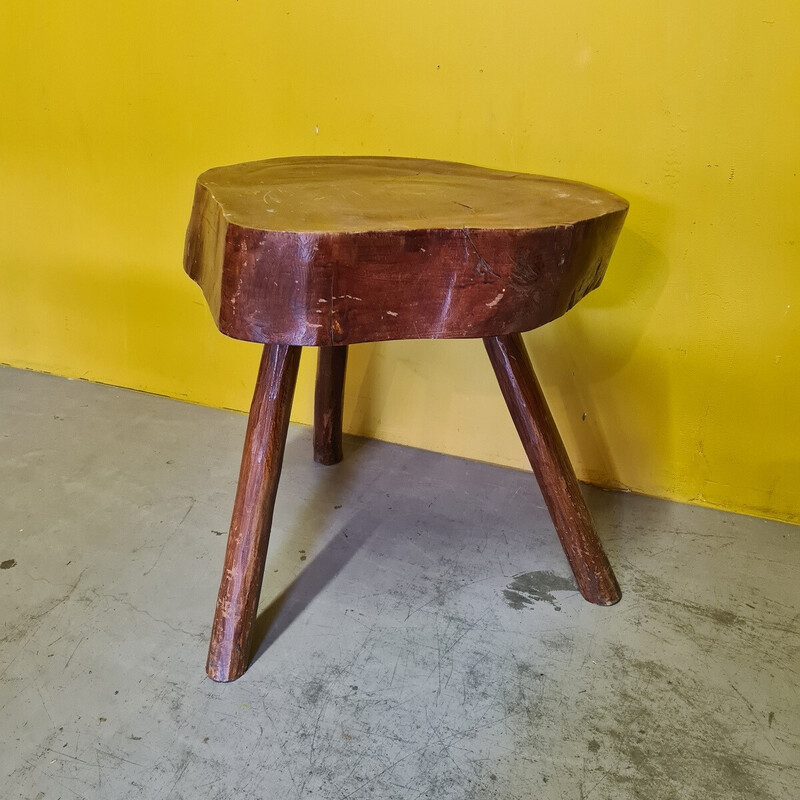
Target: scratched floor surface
420, 634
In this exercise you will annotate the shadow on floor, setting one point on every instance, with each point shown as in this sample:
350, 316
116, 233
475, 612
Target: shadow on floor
273, 620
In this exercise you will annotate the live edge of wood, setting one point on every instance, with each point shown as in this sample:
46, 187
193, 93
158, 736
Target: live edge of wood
338, 287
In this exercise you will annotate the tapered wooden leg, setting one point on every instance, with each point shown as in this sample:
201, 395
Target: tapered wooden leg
329, 404
237, 603
552, 468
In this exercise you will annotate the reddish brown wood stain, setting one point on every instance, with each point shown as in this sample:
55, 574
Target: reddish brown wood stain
482, 273
245, 557
552, 468
329, 404
334, 251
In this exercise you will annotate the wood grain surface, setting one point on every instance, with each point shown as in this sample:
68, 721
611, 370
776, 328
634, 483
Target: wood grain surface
231, 634
329, 404
552, 468
336, 250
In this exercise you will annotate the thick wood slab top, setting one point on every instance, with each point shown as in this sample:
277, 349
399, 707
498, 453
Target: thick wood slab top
339, 250
359, 194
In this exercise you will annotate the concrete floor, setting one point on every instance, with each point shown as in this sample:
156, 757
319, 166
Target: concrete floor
421, 636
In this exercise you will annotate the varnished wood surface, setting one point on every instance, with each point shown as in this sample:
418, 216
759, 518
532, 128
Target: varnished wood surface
237, 603
329, 404
357, 194
330, 251
552, 468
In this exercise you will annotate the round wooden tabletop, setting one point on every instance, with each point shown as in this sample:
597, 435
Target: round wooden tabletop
339, 250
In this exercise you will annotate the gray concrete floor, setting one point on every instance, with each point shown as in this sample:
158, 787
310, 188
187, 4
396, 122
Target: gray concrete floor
420, 633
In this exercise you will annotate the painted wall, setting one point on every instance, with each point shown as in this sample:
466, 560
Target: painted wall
679, 377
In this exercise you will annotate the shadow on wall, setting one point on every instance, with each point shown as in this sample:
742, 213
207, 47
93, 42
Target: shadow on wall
615, 421
141, 325
613, 414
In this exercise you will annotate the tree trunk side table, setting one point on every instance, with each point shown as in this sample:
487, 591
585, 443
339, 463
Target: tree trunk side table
333, 251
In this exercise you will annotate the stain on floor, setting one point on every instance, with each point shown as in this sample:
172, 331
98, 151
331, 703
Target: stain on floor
528, 588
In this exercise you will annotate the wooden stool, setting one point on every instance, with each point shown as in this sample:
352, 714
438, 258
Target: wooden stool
333, 251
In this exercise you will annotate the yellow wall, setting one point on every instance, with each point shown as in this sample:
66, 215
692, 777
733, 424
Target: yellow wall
686, 362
